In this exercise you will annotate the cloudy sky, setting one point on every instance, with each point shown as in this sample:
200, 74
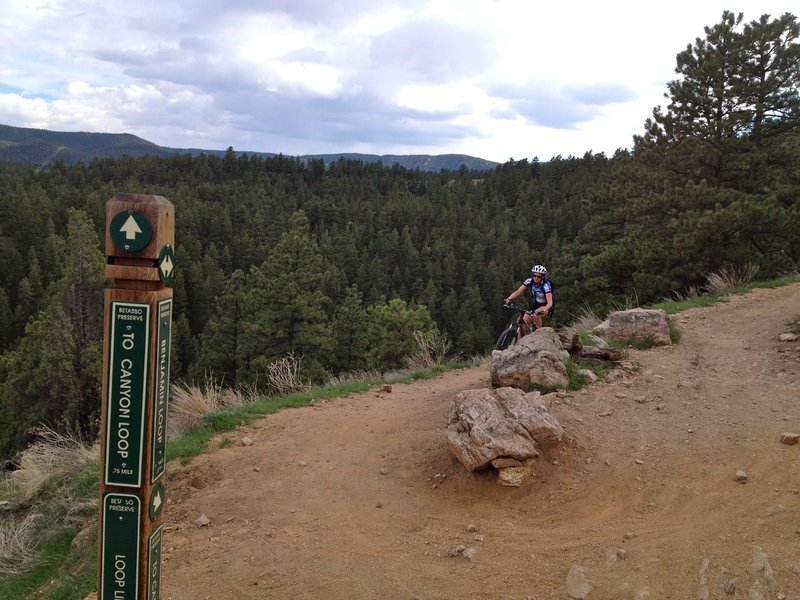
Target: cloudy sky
496, 79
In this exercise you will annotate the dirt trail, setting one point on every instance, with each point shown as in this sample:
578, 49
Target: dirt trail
360, 498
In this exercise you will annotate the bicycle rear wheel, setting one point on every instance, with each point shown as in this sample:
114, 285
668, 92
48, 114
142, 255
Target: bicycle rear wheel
506, 339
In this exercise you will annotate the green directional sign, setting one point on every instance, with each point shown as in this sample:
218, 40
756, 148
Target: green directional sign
131, 230
127, 393
156, 501
161, 390
166, 265
120, 546
154, 565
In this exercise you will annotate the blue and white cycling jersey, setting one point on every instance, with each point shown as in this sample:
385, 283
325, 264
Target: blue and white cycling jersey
538, 291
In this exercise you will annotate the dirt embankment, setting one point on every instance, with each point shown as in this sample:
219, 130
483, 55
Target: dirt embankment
359, 497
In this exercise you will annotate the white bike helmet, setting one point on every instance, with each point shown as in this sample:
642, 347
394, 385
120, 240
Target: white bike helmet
540, 269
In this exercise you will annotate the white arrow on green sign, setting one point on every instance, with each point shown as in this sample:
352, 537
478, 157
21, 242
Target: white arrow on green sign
130, 230
166, 265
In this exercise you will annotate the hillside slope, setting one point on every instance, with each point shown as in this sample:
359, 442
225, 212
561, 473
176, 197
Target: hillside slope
42, 147
360, 498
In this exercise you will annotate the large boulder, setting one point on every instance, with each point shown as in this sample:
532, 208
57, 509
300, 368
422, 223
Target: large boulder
485, 425
538, 359
639, 325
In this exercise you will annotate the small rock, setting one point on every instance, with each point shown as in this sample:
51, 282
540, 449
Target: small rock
386, 388
456, 551
379, 505
639, 461
614, 554
478, 537
257, 469
788, 337
576, 585
761, 566
790, 439
472, 528
504, 463
246, 441
741, 476
384, 470
202, 521
511, 476
469, 553
729, 587
629, 535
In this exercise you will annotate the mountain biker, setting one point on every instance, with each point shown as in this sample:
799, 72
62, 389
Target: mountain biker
542, 292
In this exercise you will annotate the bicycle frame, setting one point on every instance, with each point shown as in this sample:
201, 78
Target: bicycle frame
516, 329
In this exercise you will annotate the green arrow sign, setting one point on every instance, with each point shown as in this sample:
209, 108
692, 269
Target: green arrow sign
130, 230
127, 393
120, 559
156, 501
166, 265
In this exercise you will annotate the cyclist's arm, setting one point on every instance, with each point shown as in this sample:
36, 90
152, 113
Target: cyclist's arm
545, 310
520, 290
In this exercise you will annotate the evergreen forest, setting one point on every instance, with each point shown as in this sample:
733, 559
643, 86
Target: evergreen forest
341, 263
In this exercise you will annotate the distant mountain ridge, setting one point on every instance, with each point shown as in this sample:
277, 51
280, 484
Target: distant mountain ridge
42, 147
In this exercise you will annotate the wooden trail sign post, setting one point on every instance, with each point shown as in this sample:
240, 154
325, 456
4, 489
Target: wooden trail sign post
140, 232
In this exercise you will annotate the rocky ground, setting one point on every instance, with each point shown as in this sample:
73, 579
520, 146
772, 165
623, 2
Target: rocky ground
359, 497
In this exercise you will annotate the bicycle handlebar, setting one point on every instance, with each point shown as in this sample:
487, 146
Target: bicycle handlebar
513, 306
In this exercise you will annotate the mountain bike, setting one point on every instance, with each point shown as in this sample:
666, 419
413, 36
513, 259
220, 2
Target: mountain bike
517, 325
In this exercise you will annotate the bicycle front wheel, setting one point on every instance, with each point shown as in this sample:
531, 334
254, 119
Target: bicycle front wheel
506, 339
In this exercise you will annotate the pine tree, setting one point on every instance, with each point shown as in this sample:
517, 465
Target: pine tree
349, 333
286, 304
391, 332
54, 374
221, 343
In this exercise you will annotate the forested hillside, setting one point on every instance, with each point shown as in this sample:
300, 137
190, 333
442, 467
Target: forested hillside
41, 148
340, 263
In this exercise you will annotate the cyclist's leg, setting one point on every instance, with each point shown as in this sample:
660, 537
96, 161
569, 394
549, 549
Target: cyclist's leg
537, 320
527, 325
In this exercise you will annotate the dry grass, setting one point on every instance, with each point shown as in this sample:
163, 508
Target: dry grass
587, 319
283, 375
18, 542
189, 403
689, 293
432, 349
53, 453
730, 279
350, 376
628, 303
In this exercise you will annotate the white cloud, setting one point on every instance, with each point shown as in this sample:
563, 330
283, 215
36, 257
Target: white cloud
491, 78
